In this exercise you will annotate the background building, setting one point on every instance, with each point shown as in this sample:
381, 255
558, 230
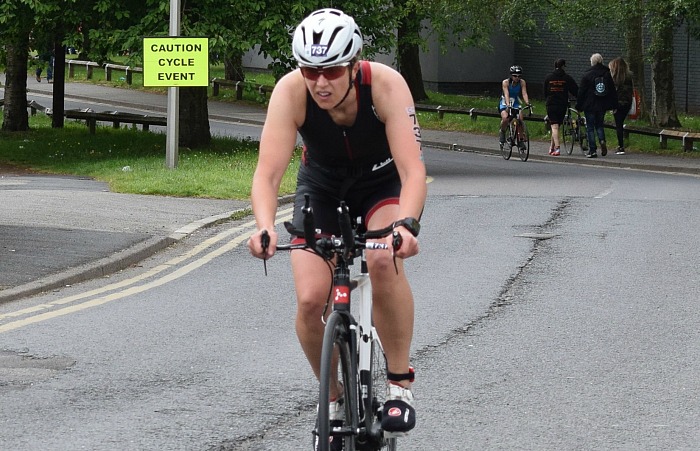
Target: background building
479, 72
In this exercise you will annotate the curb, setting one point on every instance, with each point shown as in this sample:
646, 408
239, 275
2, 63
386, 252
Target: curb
109, 265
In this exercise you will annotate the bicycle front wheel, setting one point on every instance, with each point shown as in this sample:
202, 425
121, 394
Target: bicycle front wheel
524, 143
337, 366
507, 147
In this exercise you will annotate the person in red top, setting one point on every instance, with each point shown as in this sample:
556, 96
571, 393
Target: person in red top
558, 86
362, 144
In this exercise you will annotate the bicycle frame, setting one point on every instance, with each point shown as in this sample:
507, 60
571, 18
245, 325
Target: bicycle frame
365, 334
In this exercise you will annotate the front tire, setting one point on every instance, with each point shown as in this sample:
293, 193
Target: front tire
524, 152
337, 342
507, 147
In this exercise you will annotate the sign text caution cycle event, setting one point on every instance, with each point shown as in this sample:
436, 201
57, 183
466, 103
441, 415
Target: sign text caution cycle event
175, 61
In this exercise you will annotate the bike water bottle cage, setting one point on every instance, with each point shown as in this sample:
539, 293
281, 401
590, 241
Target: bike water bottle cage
396, 377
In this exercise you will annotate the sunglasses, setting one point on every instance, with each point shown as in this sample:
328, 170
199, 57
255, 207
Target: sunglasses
515, 75
331, 72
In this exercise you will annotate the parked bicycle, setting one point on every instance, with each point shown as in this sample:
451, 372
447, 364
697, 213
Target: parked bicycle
352, 352
516, 135
573, 131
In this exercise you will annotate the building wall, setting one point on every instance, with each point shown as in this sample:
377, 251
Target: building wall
456, 71
479, 72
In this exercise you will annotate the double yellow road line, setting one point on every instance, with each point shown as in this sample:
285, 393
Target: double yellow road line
167, 272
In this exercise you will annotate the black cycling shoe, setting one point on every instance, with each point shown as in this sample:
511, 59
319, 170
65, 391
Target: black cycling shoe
398, 415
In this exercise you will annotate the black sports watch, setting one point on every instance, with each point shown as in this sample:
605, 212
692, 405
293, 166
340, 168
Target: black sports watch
411, 224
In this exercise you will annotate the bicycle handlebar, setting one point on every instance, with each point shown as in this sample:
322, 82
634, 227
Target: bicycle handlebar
514, 111
346, 246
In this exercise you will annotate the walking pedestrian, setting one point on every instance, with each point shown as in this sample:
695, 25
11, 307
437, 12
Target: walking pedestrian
596, 95
557, 87
622, 77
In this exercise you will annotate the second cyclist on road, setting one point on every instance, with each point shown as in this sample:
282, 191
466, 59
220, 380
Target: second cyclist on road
514, 90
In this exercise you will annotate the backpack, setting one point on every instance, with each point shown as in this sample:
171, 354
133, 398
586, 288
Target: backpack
600, 88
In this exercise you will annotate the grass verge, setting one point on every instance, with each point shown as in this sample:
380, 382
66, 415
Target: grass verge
133, 161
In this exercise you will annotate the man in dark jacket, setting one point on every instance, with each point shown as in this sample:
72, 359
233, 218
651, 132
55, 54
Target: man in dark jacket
596, 95
557, 87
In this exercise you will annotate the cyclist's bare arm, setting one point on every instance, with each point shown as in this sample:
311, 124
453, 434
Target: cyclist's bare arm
277, 144
506, 92
394, 104
526, 98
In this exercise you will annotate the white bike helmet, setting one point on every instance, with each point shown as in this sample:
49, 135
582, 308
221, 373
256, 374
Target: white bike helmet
327, 37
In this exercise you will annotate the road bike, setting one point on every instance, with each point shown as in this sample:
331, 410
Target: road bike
573, 131
516, 134
352, 350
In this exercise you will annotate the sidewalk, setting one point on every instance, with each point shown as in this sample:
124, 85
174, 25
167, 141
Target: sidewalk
52, 223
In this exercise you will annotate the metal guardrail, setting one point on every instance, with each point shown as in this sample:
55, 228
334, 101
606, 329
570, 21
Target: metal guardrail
89, 66
128, 69
91, 117
216, 84
687, 138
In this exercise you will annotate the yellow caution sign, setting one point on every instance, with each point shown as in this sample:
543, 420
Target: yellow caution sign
175, 61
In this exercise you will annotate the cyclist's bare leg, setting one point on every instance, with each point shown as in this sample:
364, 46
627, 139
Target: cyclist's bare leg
392, 299
504, 120
312, 280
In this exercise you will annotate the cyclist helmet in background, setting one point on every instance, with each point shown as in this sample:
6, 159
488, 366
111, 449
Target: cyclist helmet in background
327, 37
516, 70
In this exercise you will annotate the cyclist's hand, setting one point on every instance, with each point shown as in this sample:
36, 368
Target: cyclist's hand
409, 243
262, 244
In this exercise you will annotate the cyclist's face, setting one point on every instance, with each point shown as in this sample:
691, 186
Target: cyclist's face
328, 85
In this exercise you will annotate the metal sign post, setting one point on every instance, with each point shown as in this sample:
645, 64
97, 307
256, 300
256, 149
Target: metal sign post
173, 129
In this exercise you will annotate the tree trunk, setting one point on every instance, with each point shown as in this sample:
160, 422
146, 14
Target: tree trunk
194, 117
233, 67
59, 79
663, 108
15, 116
635, 55
409, 56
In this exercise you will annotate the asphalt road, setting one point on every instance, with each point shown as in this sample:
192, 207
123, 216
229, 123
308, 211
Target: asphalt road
551, 314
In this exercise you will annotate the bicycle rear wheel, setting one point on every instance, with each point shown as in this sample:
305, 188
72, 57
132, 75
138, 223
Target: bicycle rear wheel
568, 135
524, 151
337, 364
583, 141
582, 136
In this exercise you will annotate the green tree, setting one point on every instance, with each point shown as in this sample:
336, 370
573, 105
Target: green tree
16, 23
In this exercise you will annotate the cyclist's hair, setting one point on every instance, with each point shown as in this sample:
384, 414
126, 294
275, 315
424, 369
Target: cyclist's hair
558, 64
596, 58
516, 70
619, 70
327, 37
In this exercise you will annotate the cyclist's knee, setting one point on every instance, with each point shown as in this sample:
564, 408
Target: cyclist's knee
380, 262
310, 302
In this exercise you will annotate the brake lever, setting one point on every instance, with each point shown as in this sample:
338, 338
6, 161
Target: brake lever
265, 243
396, 242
